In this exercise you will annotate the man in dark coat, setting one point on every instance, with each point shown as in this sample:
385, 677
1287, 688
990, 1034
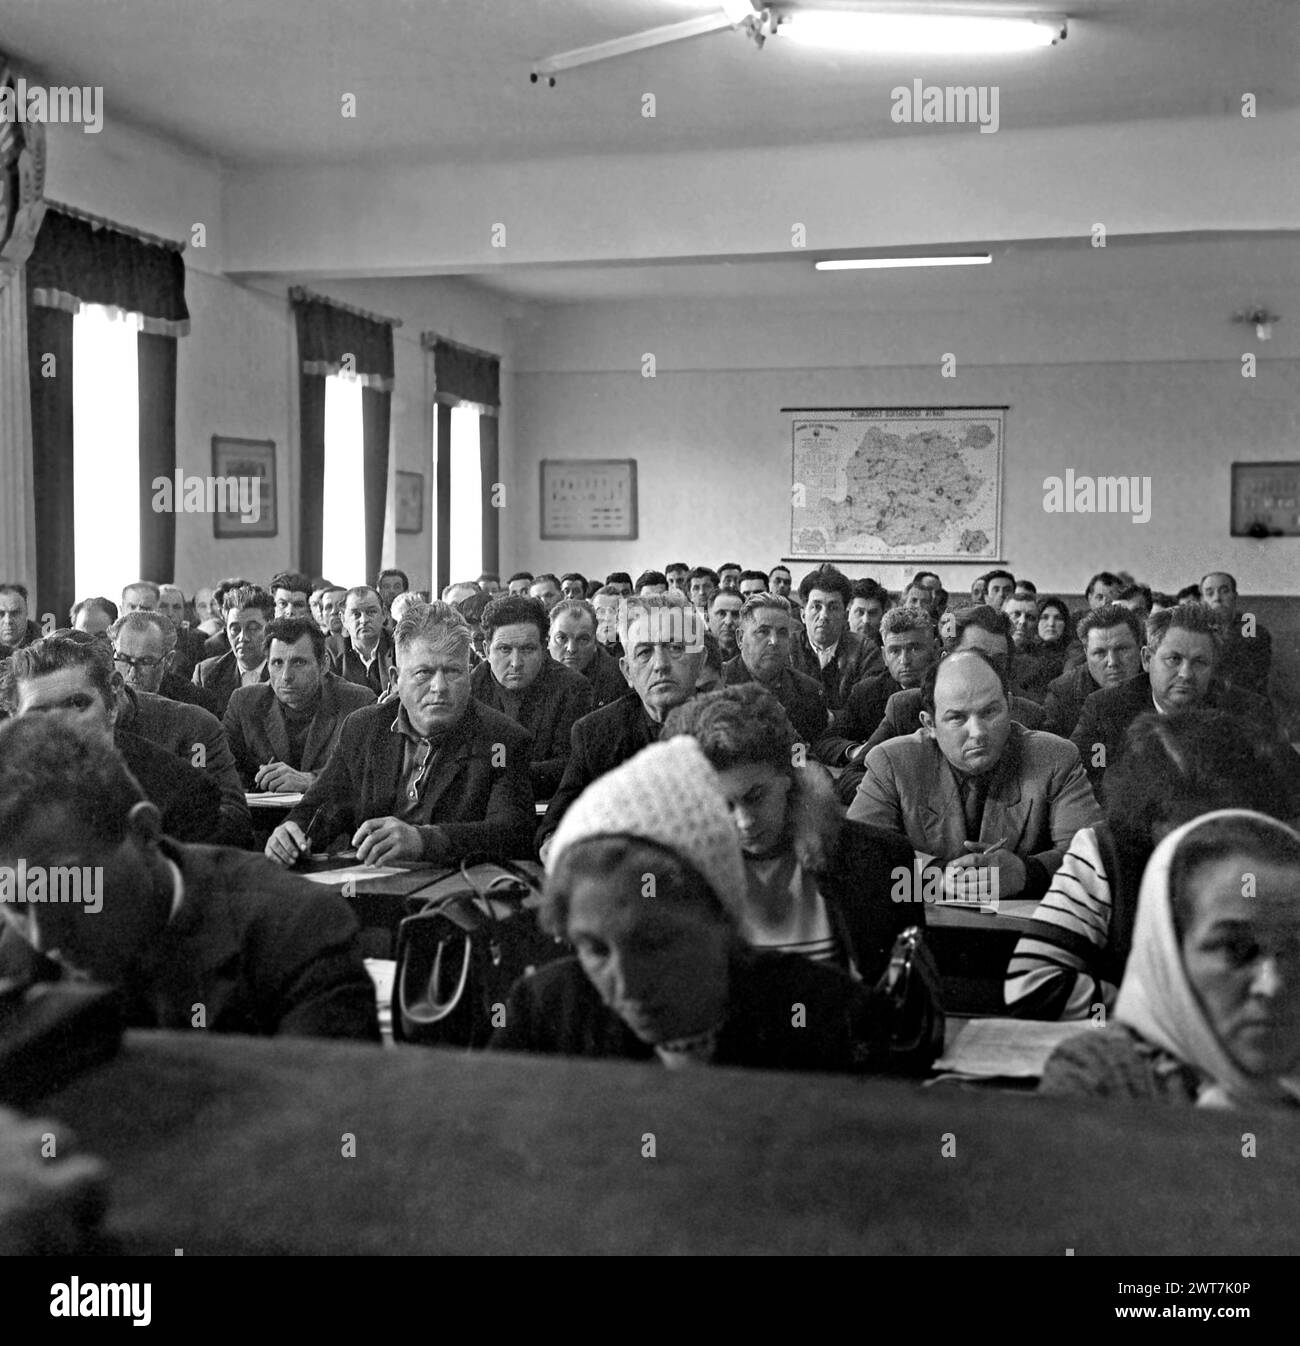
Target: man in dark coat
282, 731
1111, 637
521, 681
247, 611
766, 628
191, 936
572, 643
825, 649
1179, 659
430, 775
664, 661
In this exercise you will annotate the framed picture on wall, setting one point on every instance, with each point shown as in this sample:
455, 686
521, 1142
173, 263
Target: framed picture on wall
410, 502
243, 494
588, 498
1265, 500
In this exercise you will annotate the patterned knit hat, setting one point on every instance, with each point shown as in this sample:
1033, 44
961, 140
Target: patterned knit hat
668, 794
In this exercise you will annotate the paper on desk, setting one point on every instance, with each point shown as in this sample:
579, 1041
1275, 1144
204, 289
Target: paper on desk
356, 873
1004, 1048
273, 798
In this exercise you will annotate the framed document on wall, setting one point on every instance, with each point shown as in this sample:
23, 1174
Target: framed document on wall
245, 498
588, 498
1265, 500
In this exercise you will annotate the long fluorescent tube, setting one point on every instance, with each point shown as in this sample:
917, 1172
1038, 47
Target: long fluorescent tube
918, 34
884, 263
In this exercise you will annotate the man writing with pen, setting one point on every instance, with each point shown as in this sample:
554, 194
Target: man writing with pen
431, 775
971, 789
282, 731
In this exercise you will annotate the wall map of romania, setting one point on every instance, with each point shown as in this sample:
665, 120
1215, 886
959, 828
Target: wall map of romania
897, 484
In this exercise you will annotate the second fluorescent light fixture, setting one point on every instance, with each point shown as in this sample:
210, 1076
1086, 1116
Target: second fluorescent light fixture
889, 31
886, 263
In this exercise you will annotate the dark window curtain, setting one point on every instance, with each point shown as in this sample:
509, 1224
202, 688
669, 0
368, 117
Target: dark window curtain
333, 340
490, 466
464, 375
156, 380
311, 473
75, 262
49, 353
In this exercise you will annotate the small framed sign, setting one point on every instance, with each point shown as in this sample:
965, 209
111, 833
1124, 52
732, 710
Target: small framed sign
1265, 500
588, 498
244, 496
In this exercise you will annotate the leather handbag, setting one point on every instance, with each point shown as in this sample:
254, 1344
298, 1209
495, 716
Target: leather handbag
464, 945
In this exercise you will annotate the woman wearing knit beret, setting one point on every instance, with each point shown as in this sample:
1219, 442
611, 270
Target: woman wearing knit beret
645, 879
1209, 1008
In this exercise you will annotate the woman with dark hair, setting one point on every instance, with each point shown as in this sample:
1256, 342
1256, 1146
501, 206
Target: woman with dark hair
1209, 1009
645, 880
1053, 625
816, 884
1174, 767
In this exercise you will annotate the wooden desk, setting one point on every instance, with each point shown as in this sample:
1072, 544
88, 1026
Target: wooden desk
234, 1145
972, 948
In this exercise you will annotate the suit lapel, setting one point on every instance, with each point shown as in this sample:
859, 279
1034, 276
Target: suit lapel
1004, 815
940, 804
322, 725
448, 759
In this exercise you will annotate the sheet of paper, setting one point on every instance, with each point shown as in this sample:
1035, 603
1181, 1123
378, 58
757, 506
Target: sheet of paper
1004, 1048
338, 877
270, 799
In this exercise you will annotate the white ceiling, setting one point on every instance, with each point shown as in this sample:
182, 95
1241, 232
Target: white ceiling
1229, 268
260, 81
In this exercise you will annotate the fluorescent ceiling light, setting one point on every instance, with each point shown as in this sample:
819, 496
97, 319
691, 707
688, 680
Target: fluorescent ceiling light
884, 263
918, 34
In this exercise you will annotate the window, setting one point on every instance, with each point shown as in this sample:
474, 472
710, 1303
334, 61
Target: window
105, 451
343, 549
466, 497
465, 508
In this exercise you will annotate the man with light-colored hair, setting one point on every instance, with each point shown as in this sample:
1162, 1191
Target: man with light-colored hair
367, 658
189, 643
144, 653
663, 639
432, 775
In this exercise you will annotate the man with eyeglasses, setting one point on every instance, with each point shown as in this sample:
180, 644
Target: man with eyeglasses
144, 652
70, 675
766, 629
573, 645
430, 775
184, 727
663, 639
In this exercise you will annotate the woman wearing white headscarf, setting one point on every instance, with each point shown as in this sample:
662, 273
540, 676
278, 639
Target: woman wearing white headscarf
1209, 1009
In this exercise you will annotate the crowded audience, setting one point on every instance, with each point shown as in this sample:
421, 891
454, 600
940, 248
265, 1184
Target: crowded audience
736, 780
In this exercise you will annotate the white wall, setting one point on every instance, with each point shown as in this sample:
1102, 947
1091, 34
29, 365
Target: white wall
714, 449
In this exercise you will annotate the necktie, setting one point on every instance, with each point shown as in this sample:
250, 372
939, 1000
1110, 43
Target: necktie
972, 793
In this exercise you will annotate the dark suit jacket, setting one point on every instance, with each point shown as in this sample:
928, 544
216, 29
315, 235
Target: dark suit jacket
1033, 669
858, 718
220, 677
903, 715
1245, 660
856, 657
482, 797
1065, 698
217, 644
606, 678
352, 668
196, 738
255, 726
178, 687
599, 742
1038, 798
191, 650
802, 697
549, 709
189, 801
1109, 711
262, 951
